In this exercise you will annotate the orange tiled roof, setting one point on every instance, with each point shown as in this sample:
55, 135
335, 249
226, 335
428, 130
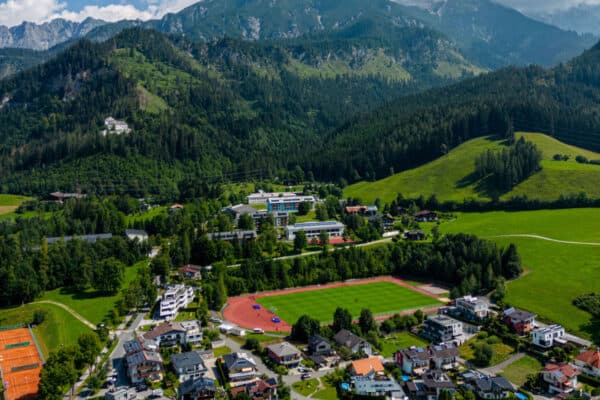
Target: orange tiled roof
590, 357
366, 365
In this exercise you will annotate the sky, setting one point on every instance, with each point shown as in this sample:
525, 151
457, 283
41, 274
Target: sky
13, 12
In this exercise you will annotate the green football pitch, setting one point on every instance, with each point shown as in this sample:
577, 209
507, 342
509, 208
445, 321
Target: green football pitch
379, 297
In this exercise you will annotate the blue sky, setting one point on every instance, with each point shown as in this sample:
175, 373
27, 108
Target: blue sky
14, 12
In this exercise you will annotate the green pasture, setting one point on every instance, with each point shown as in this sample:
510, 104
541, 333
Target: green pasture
379, 297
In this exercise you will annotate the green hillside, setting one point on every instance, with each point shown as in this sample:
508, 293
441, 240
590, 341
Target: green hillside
448, 177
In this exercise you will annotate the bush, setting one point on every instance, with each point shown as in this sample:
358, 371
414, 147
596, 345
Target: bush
39, 316
483, 354
252, 344
581, 159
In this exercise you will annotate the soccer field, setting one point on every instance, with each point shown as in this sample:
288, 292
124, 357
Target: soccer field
379, 297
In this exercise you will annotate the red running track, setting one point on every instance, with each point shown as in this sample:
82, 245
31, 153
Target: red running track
240, 312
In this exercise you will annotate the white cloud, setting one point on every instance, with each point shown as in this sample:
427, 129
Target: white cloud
546, 5
13, 12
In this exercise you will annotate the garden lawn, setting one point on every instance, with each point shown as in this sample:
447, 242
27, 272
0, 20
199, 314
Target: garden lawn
517, 372
400, 340
306, 387
58, 329
502, 352
555, 271
90, 304
221, 351
380, 297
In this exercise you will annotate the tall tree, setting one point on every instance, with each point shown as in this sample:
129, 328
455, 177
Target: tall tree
342, 319
366, 321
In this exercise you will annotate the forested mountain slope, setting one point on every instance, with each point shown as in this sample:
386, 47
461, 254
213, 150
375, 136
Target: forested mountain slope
204, 109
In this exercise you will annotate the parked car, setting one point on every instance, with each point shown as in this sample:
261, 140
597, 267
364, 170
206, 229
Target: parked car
306, 376
140, 387
258, 330
156, 393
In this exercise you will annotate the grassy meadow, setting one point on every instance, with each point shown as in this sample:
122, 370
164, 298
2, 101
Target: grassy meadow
379, 297
450, 177
555, 273
518, 371
10, 202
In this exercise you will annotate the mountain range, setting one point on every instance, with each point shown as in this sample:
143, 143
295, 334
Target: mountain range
582, 18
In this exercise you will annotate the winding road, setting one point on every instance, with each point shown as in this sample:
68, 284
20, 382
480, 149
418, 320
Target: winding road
527, 235
70, 311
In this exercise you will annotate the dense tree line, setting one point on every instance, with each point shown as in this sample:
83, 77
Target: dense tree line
506, 168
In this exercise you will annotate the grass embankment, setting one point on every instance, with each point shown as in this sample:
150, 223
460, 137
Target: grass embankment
555, 273
379, 297
518, 371
92, 305
58, 329
450, 177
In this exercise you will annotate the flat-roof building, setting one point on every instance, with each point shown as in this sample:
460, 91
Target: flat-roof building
291, 203
261, 197
174, 299
314, 229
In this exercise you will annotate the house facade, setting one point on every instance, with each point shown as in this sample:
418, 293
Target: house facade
262, 389
167, 334
560, 378
548, 336
589, 362
313, 229
472, 308
521, 322
289, 203
188, 366
143, 361
355, 344
441, 328
284, 354
174, 299
419, 360
240, 368
319, 346
197, 389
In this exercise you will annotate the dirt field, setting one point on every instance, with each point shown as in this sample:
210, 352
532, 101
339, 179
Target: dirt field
239, 310
20, 365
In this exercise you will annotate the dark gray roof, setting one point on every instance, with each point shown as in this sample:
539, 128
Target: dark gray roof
444, 351
492, 384
238, 360
519, 315
347, 339
437, 379
417, 353
283, 349
191, 385
186, 360
316, 339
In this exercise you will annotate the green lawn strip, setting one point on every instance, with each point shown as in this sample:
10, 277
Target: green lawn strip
307, 387
90, 304
221, 351
518, 371
59, 328
145, 215
379, 297
400, 340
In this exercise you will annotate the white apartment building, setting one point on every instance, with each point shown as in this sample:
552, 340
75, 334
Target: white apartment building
547, 336
174, 299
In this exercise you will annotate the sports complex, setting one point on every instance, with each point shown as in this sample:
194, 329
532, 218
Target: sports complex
276, 311
20, 363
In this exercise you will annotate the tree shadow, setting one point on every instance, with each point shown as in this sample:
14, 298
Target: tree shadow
83, 294
593, 328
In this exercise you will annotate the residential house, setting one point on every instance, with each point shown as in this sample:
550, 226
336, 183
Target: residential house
188, 365
240, 368
263, 389
441, 328
313, 229
174, 299
197, 389
560, 378
167, 335
362, 210
589, 362
522, 322
495, 388
472, 308
261, 197
436, 381
143, 361
444, 356
415, 235
115, 126
190, 271
425, 216
377, 385
137, 234
413, 361
347, 339
548, 336
366, 366
319, 346
289, 203
121, 393
284, 354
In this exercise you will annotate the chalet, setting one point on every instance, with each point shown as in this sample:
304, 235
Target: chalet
190, 271
137, 234
176, 333
519, 321
143, 361
441, 328
472, 308
284, 354
319, 346
425, 216
589, 362
413, 361
366, 366
494, 388
347, 339
560, 378
188, 366
548, 336
240, 368
415, 235
176, 207
197, 389
263, 389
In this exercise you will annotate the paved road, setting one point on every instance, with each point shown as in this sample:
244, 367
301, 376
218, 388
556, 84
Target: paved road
314, 253
526, 235
70, 311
